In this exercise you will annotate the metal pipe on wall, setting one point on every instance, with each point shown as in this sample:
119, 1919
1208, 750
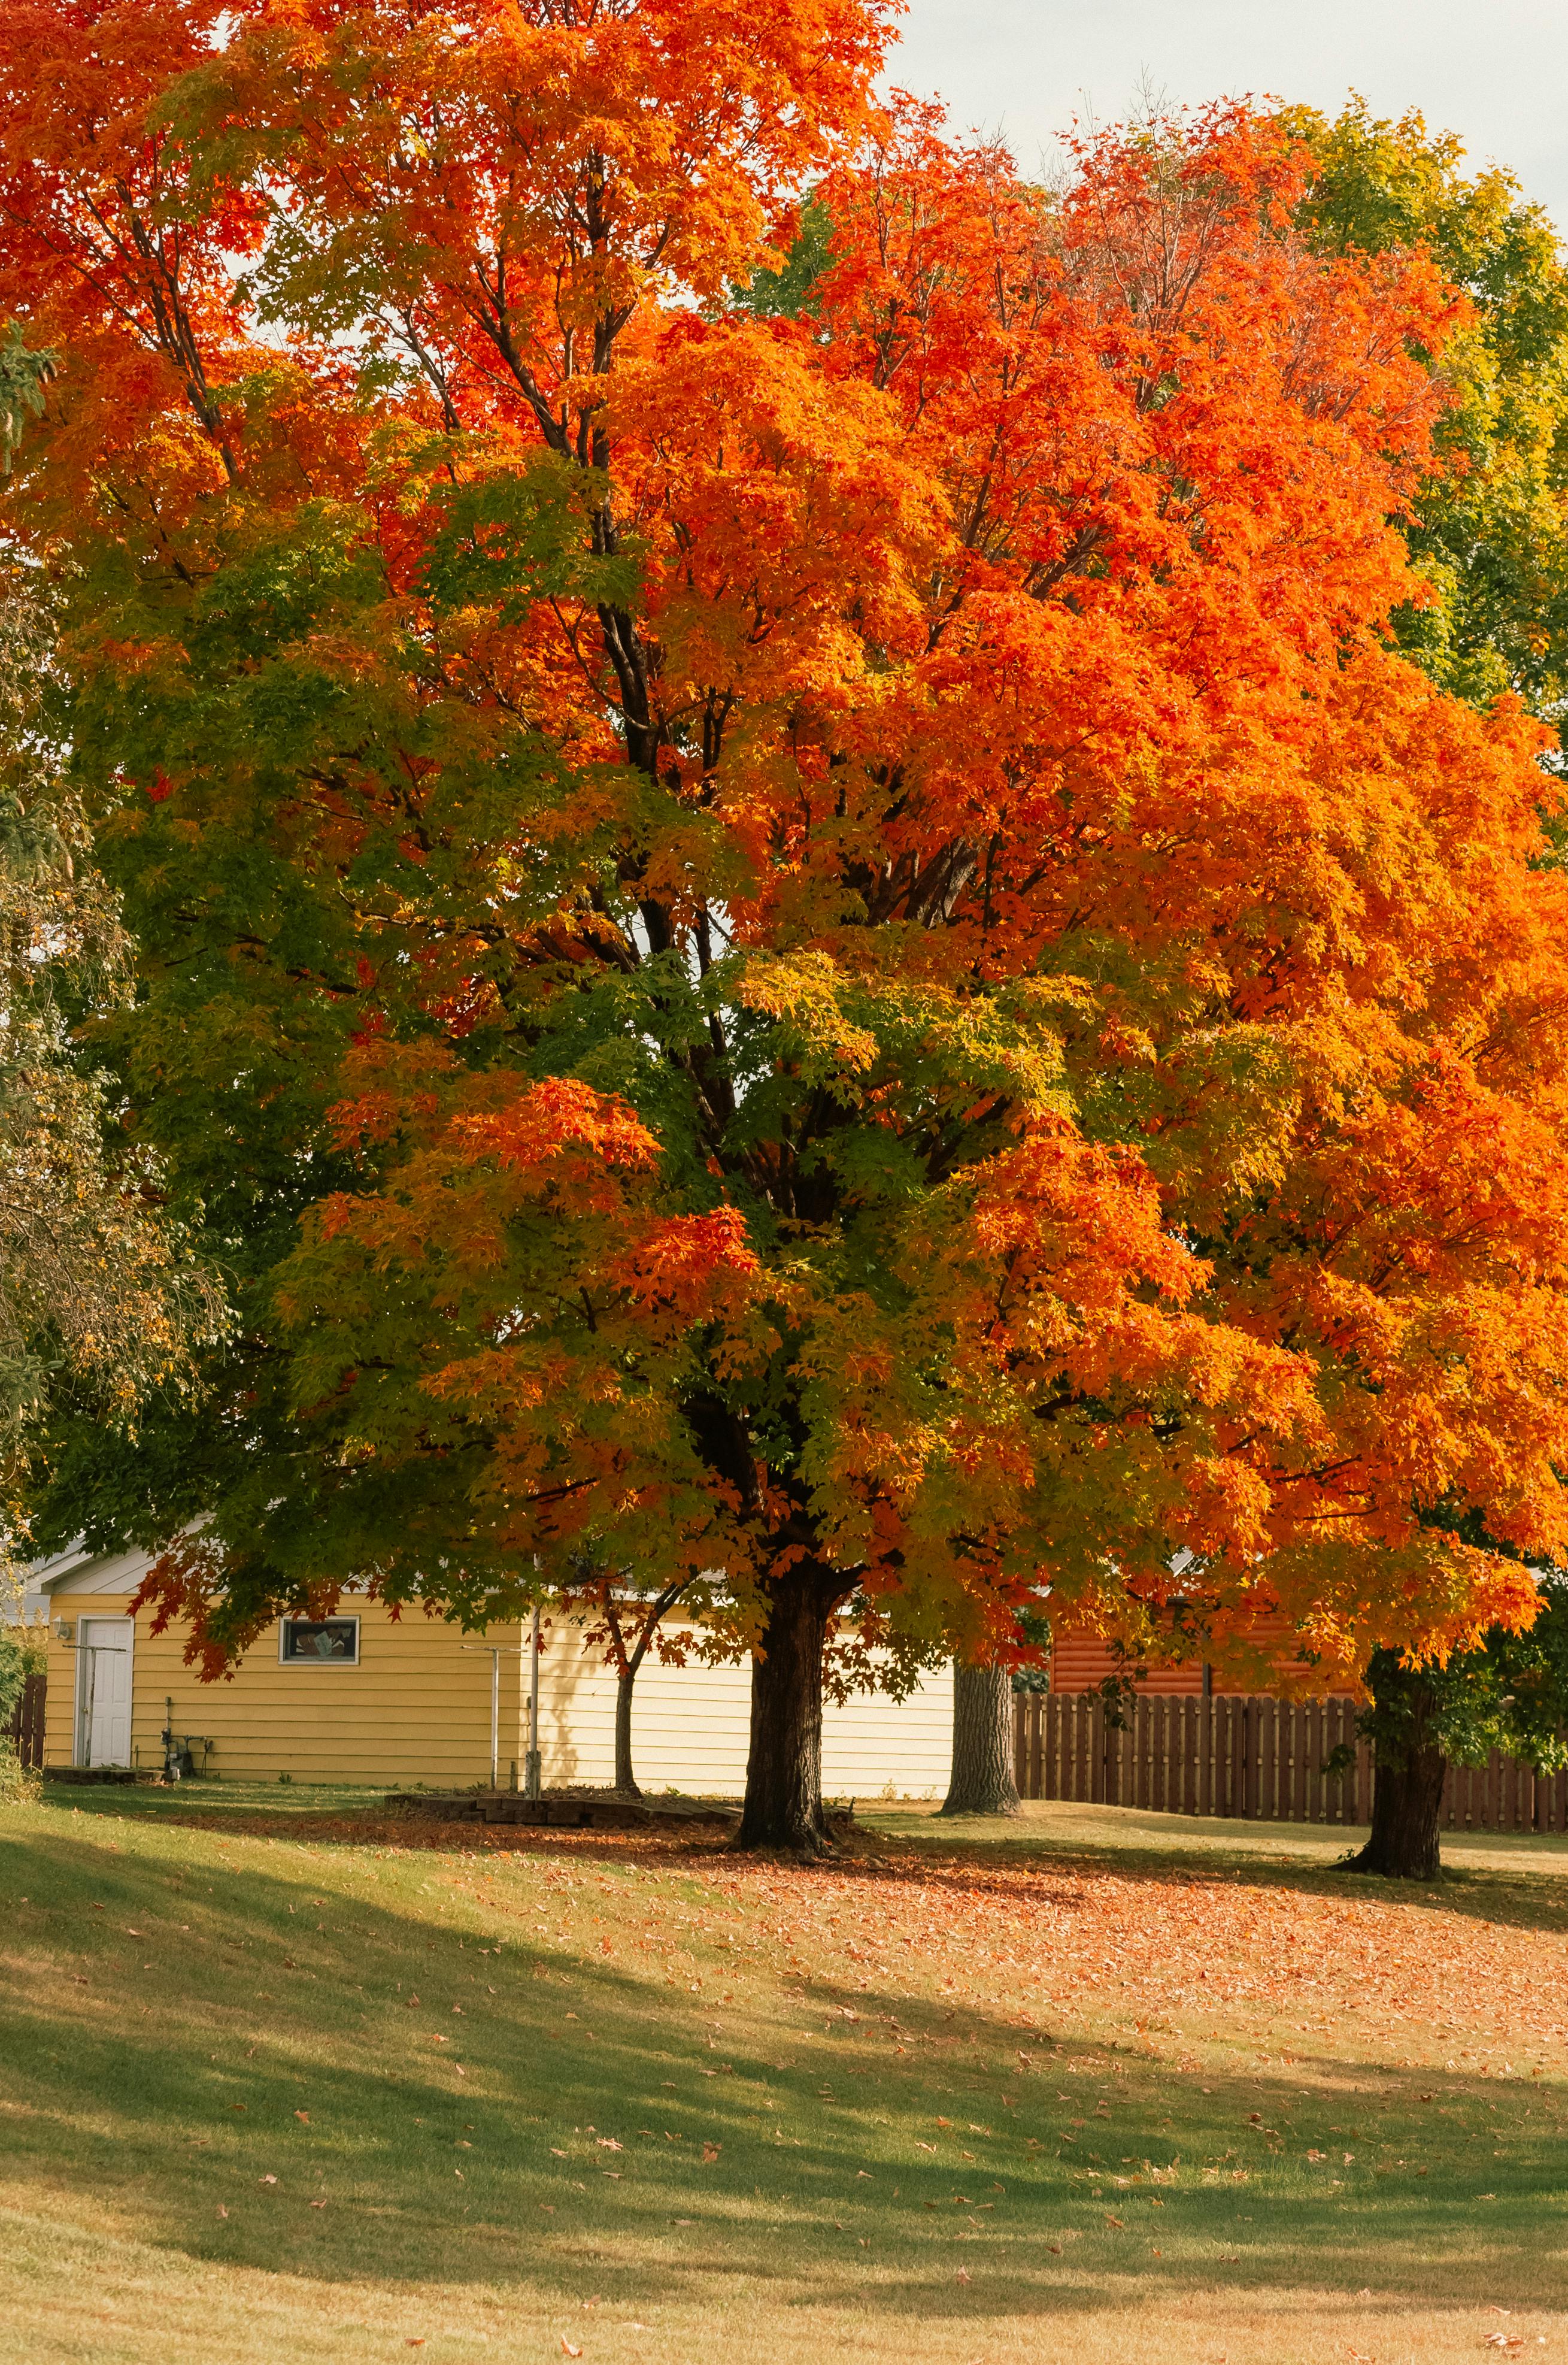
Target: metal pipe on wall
531, 1782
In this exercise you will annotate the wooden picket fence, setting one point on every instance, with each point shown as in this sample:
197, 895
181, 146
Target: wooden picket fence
25, 1730
1249, 1757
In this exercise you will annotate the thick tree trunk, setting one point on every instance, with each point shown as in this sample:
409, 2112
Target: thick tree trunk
981, 1782
1407, 1794
784, 1771
625, 1778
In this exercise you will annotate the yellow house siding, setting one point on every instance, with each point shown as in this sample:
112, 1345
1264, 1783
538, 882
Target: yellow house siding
417, 1709
873, 1744
691, 1727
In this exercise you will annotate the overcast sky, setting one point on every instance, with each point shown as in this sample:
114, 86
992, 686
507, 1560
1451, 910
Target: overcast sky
1494, 71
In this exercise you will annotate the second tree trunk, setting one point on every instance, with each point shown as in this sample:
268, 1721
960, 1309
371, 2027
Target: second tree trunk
982, 1781
625, 1776
1409, 1765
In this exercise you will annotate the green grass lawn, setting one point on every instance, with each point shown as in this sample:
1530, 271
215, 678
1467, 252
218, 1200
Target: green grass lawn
303, 2084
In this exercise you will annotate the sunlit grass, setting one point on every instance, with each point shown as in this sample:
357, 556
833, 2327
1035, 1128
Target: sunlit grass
663, 2103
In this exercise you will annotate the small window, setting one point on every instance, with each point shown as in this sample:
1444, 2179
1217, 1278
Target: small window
319, 1642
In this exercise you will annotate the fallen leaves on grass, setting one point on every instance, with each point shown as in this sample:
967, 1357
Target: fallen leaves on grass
1059, 1934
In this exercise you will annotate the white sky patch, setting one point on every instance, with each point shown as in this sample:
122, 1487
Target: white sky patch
1496, 75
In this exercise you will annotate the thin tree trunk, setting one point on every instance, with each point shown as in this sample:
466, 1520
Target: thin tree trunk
627, 1664
625, 1778
981, 1782
1407, 1795
784, 1771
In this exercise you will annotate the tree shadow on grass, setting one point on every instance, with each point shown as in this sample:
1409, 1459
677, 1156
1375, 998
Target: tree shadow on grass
259, 2047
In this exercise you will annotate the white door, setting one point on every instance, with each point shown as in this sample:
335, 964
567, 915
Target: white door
103, 1691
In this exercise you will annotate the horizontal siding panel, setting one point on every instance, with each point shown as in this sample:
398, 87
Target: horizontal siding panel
369, 1716
874, 1743
324, 1696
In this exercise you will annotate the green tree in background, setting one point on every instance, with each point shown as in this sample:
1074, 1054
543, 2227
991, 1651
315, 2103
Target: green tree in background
1489, 533
12, 1670
102, 1300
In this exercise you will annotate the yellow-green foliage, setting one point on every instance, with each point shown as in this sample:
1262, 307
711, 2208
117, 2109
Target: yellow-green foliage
1489, 535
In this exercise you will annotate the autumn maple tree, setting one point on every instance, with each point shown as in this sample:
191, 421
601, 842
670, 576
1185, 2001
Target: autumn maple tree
797, 916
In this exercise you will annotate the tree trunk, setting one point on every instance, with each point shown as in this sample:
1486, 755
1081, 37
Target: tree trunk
1407, 1791
625, 1779
981, 1782
626, 1665
784, 1771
